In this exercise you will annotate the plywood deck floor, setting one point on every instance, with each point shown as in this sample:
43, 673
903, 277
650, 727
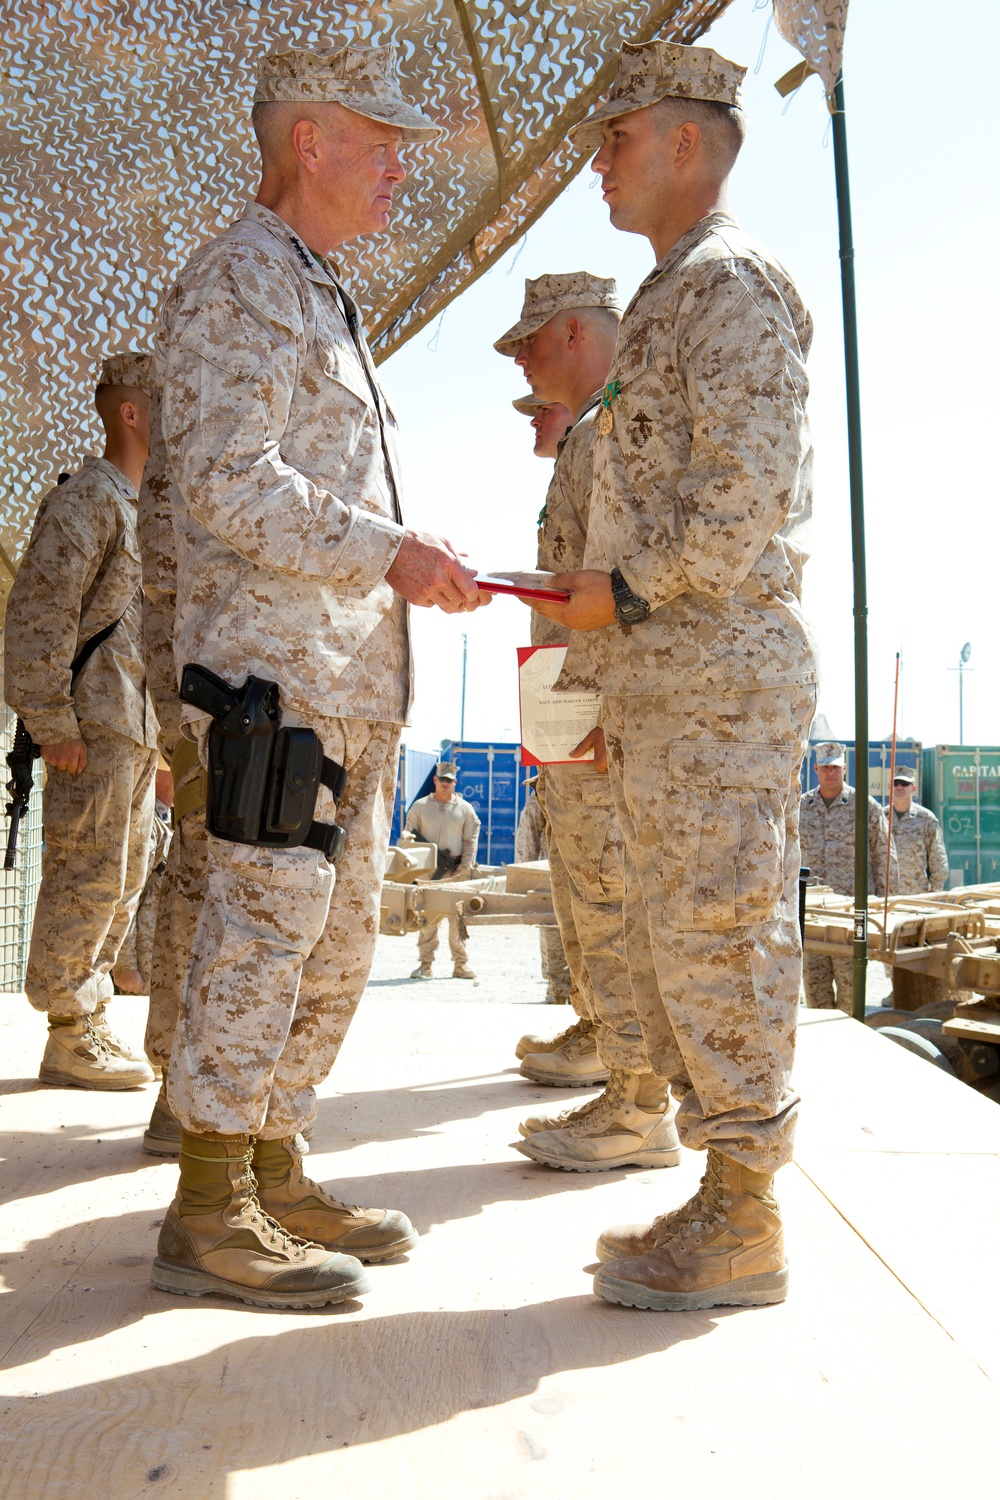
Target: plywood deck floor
482, 1367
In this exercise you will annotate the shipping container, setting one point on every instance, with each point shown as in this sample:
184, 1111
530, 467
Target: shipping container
414, 778
908, 753
963, 789
490, 777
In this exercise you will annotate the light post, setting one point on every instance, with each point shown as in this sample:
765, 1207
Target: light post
963, 657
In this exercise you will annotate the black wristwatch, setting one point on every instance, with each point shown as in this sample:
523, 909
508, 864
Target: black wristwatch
629, 608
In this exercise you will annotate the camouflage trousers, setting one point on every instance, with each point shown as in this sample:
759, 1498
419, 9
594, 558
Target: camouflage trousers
137, 949
555, 969
181, 896
586, 861
281, 955
96, 830
427, 939
820, 973
708, 799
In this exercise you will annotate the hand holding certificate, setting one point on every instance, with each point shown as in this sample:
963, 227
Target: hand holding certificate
553, 724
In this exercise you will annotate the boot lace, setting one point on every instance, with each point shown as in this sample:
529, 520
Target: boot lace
703, 1212
604, 1108
270, 1231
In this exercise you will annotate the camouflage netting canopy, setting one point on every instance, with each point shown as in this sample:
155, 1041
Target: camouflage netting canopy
126, 142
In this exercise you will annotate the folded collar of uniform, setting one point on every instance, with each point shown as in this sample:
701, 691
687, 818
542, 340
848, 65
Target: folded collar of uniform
325, 270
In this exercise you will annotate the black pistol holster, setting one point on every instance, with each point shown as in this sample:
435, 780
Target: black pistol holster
263, 780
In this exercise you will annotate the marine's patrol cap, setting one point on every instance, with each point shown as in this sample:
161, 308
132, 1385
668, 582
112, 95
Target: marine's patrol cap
651, 71
830, 753
530, 406
128, 369
548, 295
362, 79
446, 770
905, 773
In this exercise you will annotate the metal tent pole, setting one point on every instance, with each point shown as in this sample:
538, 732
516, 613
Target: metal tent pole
857, 551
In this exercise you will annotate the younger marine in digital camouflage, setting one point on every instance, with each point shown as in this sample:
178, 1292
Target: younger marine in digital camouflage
447, 820
917, 837
690, 592
826, 830
564, 343
77, 601
294, 566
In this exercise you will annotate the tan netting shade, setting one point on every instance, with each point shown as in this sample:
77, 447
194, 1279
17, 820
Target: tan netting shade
125, 142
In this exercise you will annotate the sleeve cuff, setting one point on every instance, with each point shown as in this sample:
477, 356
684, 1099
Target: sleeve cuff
654, 577
52, 729
367, 552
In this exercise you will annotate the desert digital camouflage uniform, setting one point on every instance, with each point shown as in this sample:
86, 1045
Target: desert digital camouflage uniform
454, 827
701, 473
530, 844
286, 521
137, 948
80, 573
920, 850
827, 838
586, 855
182, 889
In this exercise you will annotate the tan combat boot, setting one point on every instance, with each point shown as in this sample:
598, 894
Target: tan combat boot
723, 1249
462, 971
630, 1125
535, 1124
530, 1042
304, 1208
570, 1060
216, 1239
163, 1133
422, 971
101, 1024
77, 1056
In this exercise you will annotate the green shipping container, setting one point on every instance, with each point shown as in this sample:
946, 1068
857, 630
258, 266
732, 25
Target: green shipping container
962, 786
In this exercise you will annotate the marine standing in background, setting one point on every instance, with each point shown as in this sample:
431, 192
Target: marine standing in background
79, 590
692, 583
550, 422
917, 838
293, 565
564, 343
447, 820
826, 829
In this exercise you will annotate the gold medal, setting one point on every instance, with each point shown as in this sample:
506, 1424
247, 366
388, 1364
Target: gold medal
605, 421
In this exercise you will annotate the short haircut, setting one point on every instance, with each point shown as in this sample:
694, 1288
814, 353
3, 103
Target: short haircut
108, 399
723, 126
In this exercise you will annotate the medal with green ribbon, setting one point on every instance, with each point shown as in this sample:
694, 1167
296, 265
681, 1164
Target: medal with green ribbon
605, 417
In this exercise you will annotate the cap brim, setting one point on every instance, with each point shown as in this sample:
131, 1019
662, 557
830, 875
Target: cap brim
509, 342
529, 407
414, 125
589, 134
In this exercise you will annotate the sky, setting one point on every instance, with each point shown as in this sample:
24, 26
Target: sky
919, 133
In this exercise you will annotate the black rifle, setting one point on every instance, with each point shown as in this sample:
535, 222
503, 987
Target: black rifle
25, 752
21, 761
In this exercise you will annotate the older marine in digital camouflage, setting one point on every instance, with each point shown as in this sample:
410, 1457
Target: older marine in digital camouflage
79, 574
586, 855
286, 520
920, 850
827, 837
698, 487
